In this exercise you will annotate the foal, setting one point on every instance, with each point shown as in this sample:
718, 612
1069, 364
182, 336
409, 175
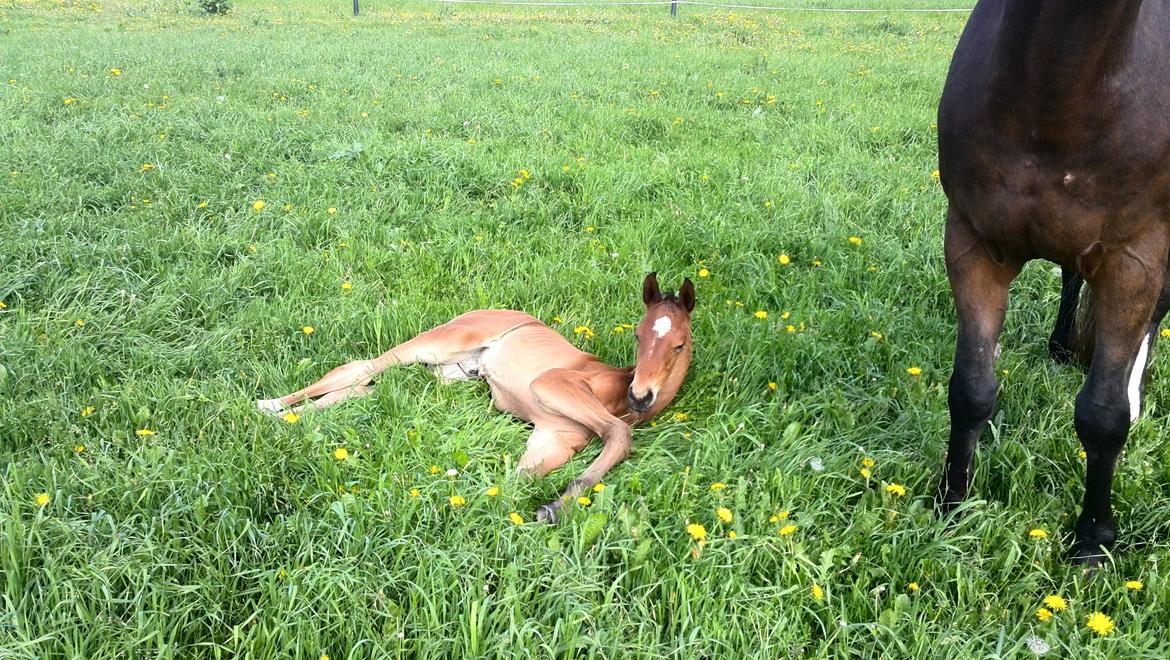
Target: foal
1054, 143
569, 395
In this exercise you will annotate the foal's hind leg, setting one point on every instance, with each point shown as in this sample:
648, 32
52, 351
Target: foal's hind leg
450, 343
1126, 289
980, 283
1060, 343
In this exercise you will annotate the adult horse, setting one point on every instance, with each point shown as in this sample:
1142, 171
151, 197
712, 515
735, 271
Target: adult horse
1054, 143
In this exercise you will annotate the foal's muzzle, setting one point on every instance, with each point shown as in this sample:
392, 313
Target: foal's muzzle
639, 403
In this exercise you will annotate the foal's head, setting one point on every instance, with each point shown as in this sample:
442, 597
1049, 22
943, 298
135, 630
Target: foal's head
664, 345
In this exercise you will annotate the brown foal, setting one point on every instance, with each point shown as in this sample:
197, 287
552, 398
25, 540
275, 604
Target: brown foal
568, 395
1054, 143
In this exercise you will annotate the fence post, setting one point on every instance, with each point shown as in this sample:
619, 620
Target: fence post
355, 7
673, 8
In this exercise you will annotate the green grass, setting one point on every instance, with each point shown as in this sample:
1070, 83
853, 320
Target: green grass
652, 145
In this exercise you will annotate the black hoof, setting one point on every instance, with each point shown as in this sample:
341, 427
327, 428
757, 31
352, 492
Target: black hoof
548, 514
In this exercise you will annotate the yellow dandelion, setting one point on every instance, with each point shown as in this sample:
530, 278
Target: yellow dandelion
598, 487
1165, 332
1099, 623
934, 174
772, 385
69, 101
2, 305
697, 531
143, 433
457, 500
258, 205
493, 491
308, 330
787, 530
78, 448
1043, 614
115, 71
914, 371
913, 586
703, 272
341, 453
1082, 455
515, 518
79, 322
817, 592
731, 534
434, 469
724, 514
584, 501
414, 492
856, 240
867, 462
1038, 534
718, 485
896, 489
87, 411
43, 499
346, 286
146, 167
1134, 585
291, 417
761, 314
864, 472
784, 259
201, 205
331, 210
1055, 603
768, 204
681, 416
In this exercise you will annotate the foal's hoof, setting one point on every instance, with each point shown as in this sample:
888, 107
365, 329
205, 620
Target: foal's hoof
548, 514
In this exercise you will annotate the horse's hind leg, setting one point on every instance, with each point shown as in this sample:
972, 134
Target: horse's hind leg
1061, 342
979, 282
1127, 289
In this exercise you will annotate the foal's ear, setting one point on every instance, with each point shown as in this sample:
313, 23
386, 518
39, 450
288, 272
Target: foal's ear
686, 295
650, 292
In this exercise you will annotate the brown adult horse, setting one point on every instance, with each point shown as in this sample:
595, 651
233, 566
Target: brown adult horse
1054, 143
535, 374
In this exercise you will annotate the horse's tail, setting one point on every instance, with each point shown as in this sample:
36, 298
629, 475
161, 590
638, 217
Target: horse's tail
1084, 335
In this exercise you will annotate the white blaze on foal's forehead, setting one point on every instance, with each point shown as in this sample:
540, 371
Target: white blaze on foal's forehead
662, 326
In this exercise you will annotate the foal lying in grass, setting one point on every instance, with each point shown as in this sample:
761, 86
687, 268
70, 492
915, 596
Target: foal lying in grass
569, 395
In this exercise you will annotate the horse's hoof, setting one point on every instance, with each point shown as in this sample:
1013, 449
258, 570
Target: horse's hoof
547, 514
270, 406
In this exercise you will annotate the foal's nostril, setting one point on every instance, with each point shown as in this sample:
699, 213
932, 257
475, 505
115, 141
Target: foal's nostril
639, 403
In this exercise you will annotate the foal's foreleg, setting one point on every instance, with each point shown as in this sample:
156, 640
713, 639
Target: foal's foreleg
1060, 343
1126, 289
570, 395
980, 286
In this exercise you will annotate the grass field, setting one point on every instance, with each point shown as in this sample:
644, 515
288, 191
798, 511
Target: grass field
182, 196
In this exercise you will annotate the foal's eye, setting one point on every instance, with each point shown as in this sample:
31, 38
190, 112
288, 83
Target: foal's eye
679, 348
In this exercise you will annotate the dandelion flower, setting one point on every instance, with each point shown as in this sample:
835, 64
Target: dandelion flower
493, 491
79, 322
855, 240
761, 314
115, 71
731, 534
414, 492
457, 500
1165, 332
1082, 455
87, 411
331, 210
143, 433
346, 286
1043, 614
515, 518
341, 453
787, 530
1134, 585
867, 462
913, 586
1056, 603
434, 469
914, 371
146, 167
291, 417
452, 473
703, 272
78, 448
934, 174
1038, 534
258, 205
2, 305
43, 499
772, 385
784, 259
864, 472
718, 485
724, 514
817, 592
1099, 623
584, 501
697, 531
768, 204
69, 101
896, 489
598, 487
